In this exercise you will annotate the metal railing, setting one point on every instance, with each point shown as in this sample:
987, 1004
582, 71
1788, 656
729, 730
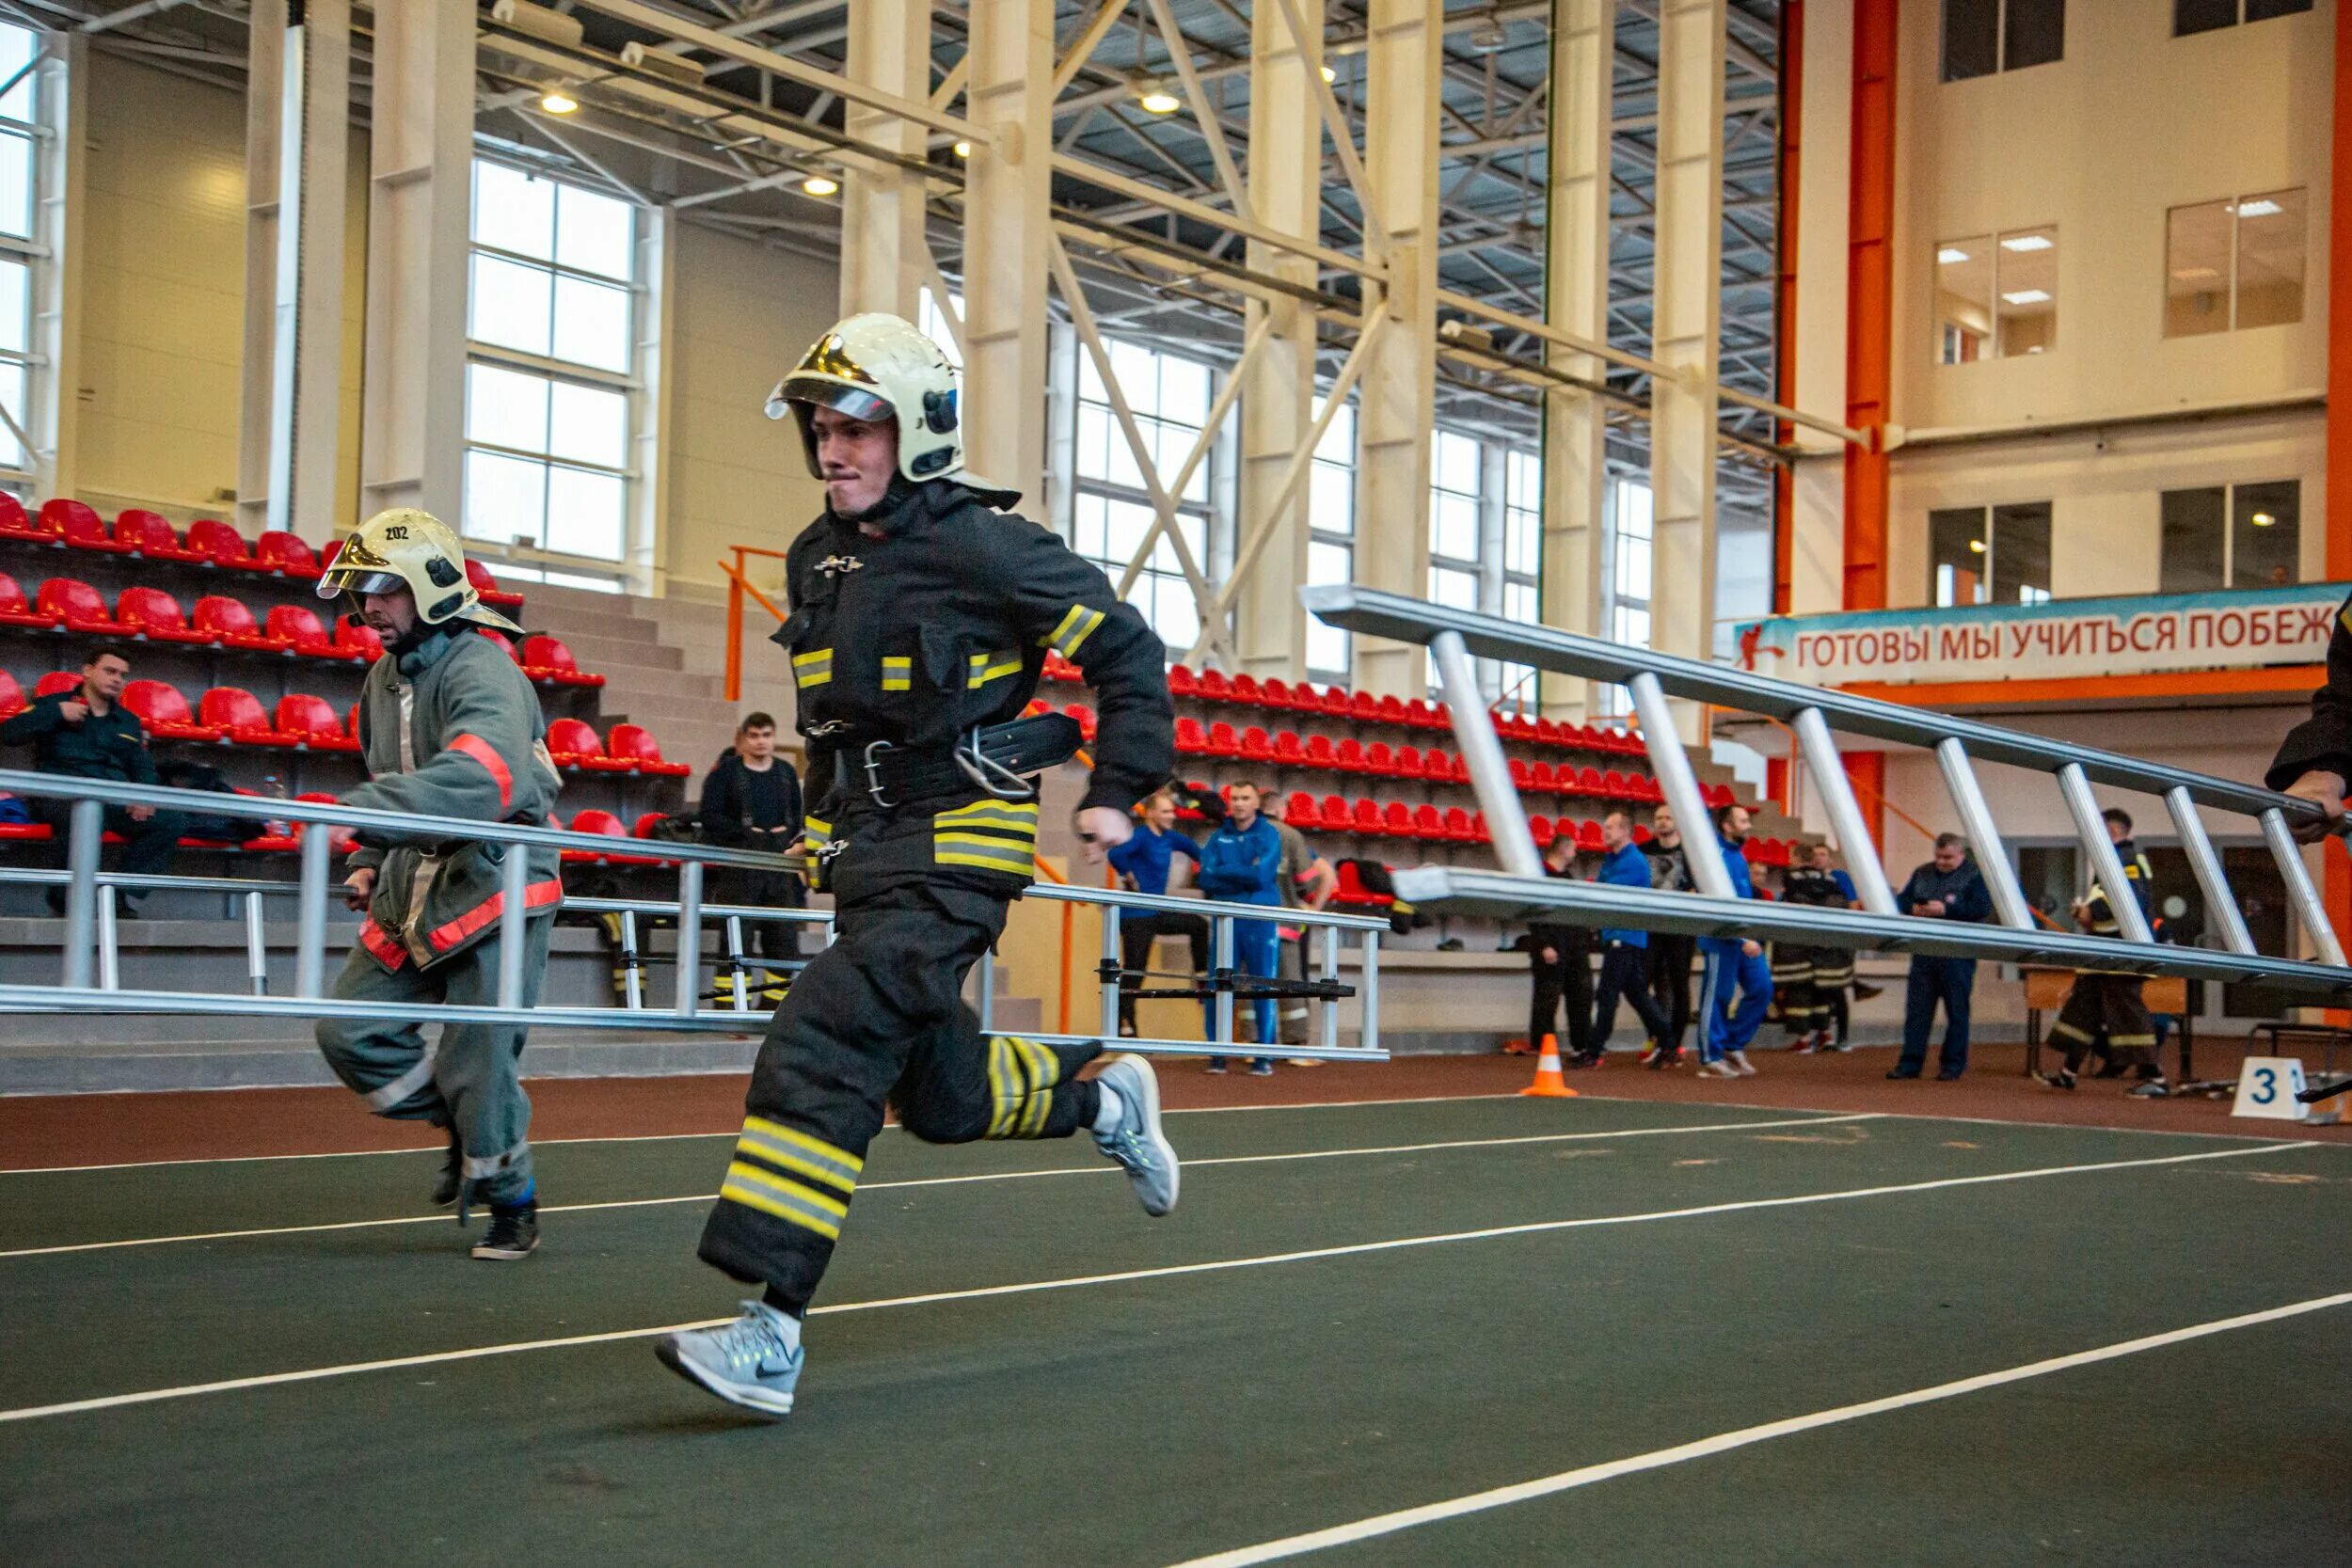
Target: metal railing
91, 977
1520, 889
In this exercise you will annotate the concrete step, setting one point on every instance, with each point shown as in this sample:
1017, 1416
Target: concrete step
606, 654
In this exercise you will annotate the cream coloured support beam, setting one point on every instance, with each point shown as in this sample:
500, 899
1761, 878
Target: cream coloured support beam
297, 141
1397, 410
1008, 234
1576, 301
61, 98
420, 147
1285, 161
1687, 312
882, 205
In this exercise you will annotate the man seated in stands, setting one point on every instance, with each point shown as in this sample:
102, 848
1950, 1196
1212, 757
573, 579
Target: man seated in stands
752, 801
86, 732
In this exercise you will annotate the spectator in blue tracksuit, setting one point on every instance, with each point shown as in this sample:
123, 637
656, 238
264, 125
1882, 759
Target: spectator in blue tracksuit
1946, 888
1733, 965
1624, 953
1241, 863
1143, 862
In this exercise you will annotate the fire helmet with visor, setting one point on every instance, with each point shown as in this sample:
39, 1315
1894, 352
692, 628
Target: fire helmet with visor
878, 367
406, 547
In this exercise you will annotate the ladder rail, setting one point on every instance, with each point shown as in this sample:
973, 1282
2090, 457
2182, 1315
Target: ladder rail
1984, 836
1845, 812
2221, 908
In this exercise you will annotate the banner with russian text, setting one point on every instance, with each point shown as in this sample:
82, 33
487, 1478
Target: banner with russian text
2056, 640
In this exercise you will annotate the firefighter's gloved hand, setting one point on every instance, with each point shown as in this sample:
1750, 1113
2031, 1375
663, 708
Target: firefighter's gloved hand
1101, 829
2324, 789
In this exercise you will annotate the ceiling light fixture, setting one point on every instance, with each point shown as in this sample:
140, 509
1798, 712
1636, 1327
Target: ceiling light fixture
558, 102
2264, 519
1329, 74
2195, 275
963, 149
2028, 242
2029, 297
819, 185
1152, 95
1975, 547
1949, 255
2261, 207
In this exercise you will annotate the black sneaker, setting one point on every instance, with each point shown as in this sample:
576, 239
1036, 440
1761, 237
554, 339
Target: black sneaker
514, 1232
452, 1180
2062, 1078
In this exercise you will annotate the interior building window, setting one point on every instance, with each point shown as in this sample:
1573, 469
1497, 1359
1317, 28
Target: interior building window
1522, 564
2233, 263
19, 253
1989, 554
1997, 295
934, 320
1331, 537
1111, 512
1982, 37
2205, 16
549, 378
1629, 521
1457, 489
2232, 536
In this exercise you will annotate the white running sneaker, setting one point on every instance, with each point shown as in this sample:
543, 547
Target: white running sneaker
746, 1362
1718, 1068
1137, 1145
1742, 1067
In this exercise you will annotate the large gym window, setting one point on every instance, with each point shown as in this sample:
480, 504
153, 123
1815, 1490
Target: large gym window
2205, 16
2232, 536
551, 375
1997, 295
1989, 554
1111, 512
20, 212
1331, 537
1522, 564
2234, 264
1629, 519
1982, 37
1456, 500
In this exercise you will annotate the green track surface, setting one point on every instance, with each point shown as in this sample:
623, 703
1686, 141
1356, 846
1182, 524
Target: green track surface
1149, 1420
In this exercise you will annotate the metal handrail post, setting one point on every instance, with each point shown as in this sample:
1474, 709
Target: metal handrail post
311, 912
86, 832
1221, 952
109, 935
690, 936
2122, 901
1328, 1005
1844, 813
1111, 958
1680, 786
2221, 903
514, 887
256, 945
633, 979
2309, 908
1482, 754
735, 961
1369, 990
1975, 820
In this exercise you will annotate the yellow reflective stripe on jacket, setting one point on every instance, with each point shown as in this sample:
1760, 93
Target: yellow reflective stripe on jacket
814, 667
1010, 816
789, 1148
989, 667
990, 854
1075, 627
785, 1200
897, 673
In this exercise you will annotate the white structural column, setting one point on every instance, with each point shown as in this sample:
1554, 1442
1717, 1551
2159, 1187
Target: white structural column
412, 415
1008, 230
1576, 300
52, 420
298, 136
1686, 311
1396, 412
881, 207
1278, 401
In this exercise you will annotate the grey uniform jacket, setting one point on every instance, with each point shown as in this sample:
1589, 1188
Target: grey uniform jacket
450, 728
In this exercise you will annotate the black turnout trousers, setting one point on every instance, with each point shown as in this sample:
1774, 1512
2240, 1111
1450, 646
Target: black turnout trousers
1569, 979
877, 1017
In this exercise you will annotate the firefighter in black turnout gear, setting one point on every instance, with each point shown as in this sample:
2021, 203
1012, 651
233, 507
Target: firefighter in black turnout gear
921, 616
1805, 978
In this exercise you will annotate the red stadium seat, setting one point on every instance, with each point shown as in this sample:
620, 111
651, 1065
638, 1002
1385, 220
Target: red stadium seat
78, 526
1288, 752
636, 746
602, 823
1368, 820
1379, 761
1396, 820
1408, 762
1059, 669
1642, 833
1223, 742
1348, 756
1587, 784
14, 611
1642, 790
1082, 714
1436, 764
165, 712
1319, 752
238, 714
1522, 777
11, 695
1393, 711
572, 743
298, 625
1299, 812
1543, 778
1480, 833
1613, 786
221, 544
230, 624
13, 523
1182, 682
54, 682
1246, 690
1352, 893
1275, 694
1213, 686
77, 605
1458, 826
1364, 709
1588, 834
1428, 822
1256, 746
1422, 715
1338, 815
149, 535
152, 615
1191, 739
1460, 774
1719, 795
285, 555
1539, 826
487, 586
547, 658
311, 722
1338, 702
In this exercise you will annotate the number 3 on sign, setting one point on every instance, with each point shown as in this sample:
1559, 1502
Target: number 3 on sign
2266, 1086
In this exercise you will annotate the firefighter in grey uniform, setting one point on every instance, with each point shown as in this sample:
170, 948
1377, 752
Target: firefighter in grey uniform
450, 727
921, 616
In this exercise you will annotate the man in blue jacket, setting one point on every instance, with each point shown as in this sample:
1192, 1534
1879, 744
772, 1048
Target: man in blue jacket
1241, 863
1733, 965
1144, 863
1623, 952
1946, 888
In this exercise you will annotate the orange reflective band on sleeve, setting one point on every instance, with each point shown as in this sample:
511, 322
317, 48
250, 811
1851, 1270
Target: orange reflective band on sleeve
537, 895
487, 754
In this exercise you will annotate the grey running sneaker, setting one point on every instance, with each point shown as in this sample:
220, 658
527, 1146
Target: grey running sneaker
2155, 1088
514, 1233
745, 1362
1137, 1145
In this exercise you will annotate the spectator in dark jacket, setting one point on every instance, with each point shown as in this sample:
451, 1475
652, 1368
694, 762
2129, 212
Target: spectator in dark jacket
1946, 888
86, 732
751, 800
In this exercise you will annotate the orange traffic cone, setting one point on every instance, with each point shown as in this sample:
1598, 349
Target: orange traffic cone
1548, 1083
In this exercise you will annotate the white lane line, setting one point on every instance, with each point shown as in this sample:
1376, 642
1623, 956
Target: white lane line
688, 1137
268, 1380
1568, 1480
1946, 1115
1097, 1169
